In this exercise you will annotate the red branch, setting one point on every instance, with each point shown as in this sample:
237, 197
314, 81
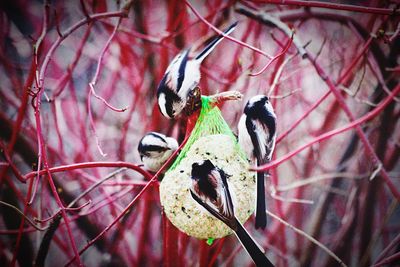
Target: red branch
85, 165
226, 36
153, 179
329, 134
284, 50
334, 6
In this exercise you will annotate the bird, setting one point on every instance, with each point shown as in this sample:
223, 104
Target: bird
182, 76
257, 135
154, 149
210, 189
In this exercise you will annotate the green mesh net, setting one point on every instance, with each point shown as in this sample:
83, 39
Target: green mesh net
211, 138
210, 122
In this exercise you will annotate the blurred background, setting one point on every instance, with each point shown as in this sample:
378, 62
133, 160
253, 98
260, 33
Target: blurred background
78, 84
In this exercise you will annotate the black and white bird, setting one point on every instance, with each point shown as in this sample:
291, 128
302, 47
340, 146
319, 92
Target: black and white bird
182, 76
257, 134
154, 150
210, 189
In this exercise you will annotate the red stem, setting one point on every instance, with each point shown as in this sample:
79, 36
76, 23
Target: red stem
386, 251
394, 258
98, 69
226, 36
43, 155
367, 145
91, 242
334, 6
284, 50
345, 74
85, 165
59, 88
68, 32
329, 134
171, 256
21, 226
303, 116
203, 253
128, 165
217, 252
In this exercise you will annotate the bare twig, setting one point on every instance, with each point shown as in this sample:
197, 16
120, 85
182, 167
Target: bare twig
349, 126
95, 185
285, 95
92, 90
313, 240
226, 36
29, 220
289, 199
315, 179
268, 19
129, 206
336, 6
225, 96
278, 75
85, 165
280, 54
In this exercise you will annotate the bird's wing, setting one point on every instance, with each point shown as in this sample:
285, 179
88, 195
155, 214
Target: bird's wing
209, 208
182, 68
255, 138
268, 126
263, 137
226, 198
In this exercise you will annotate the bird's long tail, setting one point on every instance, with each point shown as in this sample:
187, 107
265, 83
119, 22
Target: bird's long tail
207, 50
252, 248
261, 215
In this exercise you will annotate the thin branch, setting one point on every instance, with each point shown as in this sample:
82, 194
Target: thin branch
317, 178
84, 10
85, 165
391, 259
226, 36
98, 69
67, 33
9, 163
335, 6
92, 125
281, 53
95, 185
225, 96
270, 20
59, 87
390, 247
292, 92
304, 234
129, 206
350, 93
376, 171
345, 128
341, 101
278, 75
395, 34
57, 21
274, 195
299, 120
93, 91
29, 220
57, 213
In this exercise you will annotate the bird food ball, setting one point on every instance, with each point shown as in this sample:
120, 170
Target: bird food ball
184, 212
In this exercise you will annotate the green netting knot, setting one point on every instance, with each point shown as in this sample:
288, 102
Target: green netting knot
210, 122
